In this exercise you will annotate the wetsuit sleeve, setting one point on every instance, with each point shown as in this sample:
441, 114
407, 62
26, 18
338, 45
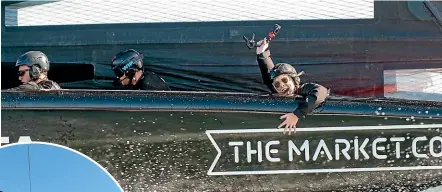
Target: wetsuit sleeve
265, 65
314, 95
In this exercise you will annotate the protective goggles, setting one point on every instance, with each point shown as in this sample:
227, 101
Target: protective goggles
22, 72
278, 84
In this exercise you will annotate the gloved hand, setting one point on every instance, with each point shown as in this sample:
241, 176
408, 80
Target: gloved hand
263, 45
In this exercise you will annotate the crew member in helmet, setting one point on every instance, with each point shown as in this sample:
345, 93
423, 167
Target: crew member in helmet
33, 68
128, 68
283, 79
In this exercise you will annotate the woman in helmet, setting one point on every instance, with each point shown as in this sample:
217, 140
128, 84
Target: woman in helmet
128, 68
283, 79
33, 67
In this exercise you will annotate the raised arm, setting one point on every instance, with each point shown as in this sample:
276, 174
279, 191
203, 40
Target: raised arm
265, 63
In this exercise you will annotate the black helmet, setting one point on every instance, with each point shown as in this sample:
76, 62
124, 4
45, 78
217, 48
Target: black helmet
32, 58
127, 62
284, 68
37, 61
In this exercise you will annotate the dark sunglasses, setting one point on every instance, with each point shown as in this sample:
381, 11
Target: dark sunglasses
284, 80
22, 72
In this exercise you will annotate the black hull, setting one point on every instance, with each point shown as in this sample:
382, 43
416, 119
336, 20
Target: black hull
158, 141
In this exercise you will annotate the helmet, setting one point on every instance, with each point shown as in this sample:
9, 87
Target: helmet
127, 62
32, 58
36, 60
284, 68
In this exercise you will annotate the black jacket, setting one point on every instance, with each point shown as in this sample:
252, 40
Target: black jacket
148, 81
45, 84
314, 94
